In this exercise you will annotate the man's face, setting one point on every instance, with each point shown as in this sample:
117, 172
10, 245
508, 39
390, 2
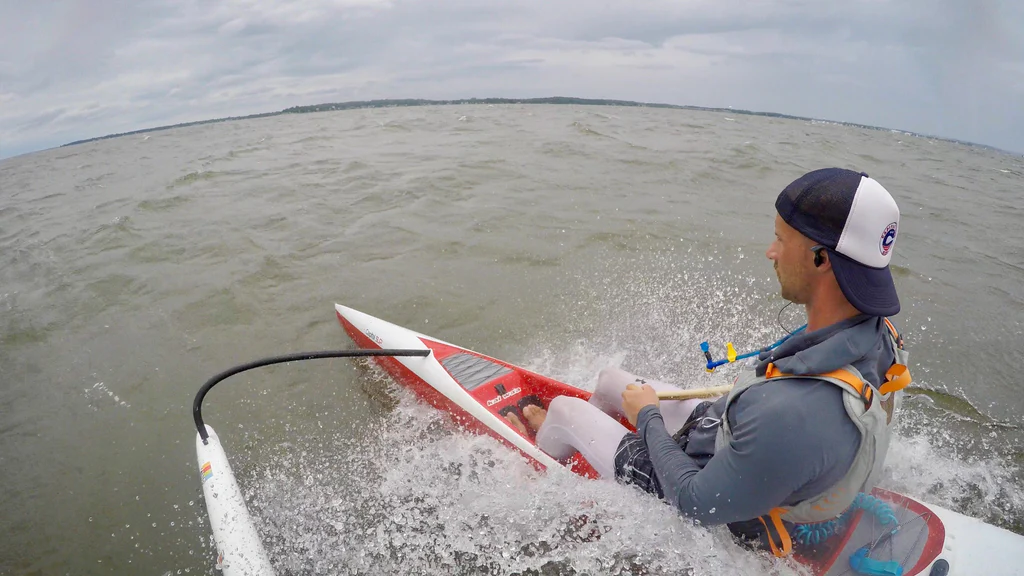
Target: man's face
794, 261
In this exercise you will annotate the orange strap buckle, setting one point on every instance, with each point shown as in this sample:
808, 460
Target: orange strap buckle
897, 378
778, 536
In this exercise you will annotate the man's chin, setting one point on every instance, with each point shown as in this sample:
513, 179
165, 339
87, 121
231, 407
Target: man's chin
792, 299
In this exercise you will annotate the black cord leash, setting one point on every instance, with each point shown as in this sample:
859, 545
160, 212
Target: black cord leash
197, 405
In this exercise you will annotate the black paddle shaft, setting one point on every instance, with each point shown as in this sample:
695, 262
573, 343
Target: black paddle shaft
197, 405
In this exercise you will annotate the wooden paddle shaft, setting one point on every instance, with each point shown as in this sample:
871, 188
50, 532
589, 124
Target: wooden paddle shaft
696, 393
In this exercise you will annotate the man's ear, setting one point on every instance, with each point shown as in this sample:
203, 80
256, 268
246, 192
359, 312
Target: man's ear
820, 255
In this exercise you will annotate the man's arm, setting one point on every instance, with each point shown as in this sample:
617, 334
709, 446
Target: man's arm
772, 454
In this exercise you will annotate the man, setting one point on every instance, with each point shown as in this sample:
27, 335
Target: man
808, 428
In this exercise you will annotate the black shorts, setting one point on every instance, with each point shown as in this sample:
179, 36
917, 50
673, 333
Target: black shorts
633, 465
633, 462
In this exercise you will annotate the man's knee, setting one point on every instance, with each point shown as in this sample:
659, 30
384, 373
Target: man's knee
613, 377
562, 407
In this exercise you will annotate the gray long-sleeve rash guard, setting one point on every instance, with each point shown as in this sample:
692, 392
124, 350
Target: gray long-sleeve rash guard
792, 439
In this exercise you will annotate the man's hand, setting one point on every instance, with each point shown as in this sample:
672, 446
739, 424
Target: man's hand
634, 398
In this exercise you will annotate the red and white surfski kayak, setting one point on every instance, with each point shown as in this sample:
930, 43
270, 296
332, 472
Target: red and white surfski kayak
474, 389
477, 390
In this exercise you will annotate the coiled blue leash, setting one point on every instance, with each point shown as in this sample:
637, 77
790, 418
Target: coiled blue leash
813, 534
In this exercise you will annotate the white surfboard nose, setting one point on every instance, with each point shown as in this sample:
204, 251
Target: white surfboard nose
385, 330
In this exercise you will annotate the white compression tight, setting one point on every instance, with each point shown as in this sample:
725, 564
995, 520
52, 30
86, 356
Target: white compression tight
593, 427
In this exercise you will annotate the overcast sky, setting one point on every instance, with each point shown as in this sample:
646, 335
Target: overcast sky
83, 68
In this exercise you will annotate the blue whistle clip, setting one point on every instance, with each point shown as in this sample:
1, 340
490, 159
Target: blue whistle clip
710, 367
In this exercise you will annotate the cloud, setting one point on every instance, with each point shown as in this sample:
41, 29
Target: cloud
74, 69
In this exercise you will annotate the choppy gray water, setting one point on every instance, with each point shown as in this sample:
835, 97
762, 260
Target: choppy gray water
556, 237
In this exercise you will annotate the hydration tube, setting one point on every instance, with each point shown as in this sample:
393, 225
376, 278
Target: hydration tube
240, 550
730, 351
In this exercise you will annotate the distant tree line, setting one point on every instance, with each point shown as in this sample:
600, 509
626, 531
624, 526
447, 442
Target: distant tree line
549, 100
392, 103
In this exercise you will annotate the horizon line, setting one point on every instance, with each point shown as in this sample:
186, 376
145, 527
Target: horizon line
557, 100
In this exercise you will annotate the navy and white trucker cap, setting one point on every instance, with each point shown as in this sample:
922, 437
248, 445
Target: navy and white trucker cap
857, 220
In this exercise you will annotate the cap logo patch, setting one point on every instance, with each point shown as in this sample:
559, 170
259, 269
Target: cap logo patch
888, 237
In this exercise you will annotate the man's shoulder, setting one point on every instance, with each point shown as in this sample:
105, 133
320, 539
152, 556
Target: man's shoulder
785, 388
792, 397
